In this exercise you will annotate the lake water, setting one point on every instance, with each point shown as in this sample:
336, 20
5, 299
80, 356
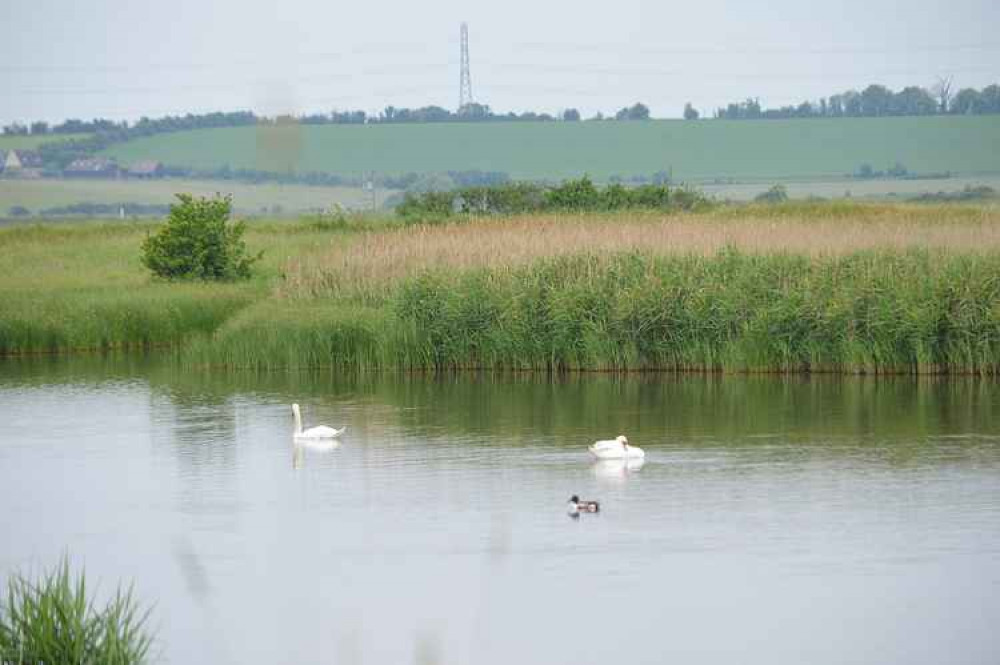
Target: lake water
776, 520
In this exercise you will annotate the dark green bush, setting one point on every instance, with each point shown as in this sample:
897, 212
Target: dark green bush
428, 206
777, 194
508, 199
199, 242
515, 198
578, 195
651, 196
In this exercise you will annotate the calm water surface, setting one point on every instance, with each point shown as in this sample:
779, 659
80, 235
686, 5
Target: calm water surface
775, 520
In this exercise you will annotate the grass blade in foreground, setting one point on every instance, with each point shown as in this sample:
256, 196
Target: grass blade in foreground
52, 620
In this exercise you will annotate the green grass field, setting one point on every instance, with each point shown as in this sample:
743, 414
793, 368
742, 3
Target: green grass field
29, 142
695, 151
39, 194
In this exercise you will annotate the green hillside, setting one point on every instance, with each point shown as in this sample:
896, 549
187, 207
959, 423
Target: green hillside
700, 150
31, 141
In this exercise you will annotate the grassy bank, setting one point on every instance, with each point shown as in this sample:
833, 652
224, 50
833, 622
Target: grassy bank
81, 286
844, 287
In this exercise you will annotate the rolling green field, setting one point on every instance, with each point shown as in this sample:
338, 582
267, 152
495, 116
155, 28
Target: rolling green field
694, 151
40, 194
33, 141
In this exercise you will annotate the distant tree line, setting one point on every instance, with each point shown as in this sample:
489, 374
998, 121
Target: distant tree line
142, 127
111, 131
94, 210
472, 112
874, 101
969, 193
66, 127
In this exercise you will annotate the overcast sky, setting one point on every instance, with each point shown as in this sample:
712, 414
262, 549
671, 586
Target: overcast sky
125, 59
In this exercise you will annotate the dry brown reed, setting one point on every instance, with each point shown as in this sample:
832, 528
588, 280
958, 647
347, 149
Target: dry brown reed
376, 260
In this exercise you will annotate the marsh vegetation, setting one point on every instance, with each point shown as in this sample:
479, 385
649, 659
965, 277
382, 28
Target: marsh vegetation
844, 287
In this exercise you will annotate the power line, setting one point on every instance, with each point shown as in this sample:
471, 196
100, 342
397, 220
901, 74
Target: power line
465, 94
376, 48
727, 50
465, 78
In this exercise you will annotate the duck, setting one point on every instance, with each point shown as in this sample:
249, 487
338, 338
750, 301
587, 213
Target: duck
576, 506
318, 432
618, 448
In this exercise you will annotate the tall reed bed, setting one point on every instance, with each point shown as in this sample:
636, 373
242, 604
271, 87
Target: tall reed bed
913, 311
371, 265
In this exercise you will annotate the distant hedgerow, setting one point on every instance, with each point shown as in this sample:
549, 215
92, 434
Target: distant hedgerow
580, 195
199, 242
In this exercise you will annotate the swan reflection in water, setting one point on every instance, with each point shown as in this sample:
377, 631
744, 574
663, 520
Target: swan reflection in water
320, 446
617, 469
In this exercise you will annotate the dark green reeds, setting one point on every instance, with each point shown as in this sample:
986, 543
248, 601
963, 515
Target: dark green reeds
54, 620
113, 318
869, 312
297, 334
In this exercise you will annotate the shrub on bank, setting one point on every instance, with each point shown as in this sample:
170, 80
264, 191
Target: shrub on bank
199, 242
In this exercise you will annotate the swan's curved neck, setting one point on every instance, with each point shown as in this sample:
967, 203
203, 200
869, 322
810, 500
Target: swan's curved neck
298, 421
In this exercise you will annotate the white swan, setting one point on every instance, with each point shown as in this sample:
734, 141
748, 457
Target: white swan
318, 432
616, 449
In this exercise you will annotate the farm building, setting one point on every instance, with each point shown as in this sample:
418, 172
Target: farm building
22, 164
92, 167
145, 169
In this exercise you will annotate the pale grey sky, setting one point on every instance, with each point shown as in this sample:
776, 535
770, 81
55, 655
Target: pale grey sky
124, 59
